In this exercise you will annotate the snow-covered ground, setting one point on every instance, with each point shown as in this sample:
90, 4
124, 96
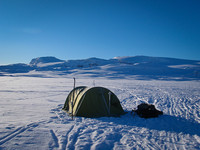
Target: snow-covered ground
31, 115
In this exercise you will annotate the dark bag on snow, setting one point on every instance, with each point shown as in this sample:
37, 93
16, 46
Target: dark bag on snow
147, 111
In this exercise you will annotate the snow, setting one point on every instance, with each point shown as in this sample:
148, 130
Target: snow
186, 66
32, 96
31, 115
48, 64
122, 57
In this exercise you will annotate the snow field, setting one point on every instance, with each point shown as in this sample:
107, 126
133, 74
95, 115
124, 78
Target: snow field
31, 115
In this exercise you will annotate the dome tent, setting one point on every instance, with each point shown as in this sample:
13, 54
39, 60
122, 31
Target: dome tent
92, 102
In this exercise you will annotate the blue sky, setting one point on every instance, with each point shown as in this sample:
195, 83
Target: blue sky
78, 29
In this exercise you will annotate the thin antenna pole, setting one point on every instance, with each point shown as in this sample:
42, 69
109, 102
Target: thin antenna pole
72, 105
94, 83
109, 100
74, 83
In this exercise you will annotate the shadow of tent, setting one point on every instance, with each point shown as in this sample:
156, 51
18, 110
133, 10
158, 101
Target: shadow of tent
162, 123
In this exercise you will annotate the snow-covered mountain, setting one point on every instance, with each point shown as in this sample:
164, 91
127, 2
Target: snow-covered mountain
157, 66
15, 68
43, 60
85, 63
150, 67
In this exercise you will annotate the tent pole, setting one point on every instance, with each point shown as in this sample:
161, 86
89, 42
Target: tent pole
73, 98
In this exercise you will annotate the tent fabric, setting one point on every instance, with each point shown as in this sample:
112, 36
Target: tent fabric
92, 102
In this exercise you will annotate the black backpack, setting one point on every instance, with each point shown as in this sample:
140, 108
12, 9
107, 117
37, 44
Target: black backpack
147, 111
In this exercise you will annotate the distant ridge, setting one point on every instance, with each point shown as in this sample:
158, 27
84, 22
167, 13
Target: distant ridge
153, 67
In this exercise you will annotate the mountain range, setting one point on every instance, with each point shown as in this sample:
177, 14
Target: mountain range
143, 67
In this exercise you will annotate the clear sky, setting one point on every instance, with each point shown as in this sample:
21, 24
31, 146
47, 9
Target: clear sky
78, 29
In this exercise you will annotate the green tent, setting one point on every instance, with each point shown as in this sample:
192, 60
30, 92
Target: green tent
92, 102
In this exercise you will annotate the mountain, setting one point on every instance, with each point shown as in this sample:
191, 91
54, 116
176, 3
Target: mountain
154, 60
52, 63
45, 61
15, 68
90, 62
144, 66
